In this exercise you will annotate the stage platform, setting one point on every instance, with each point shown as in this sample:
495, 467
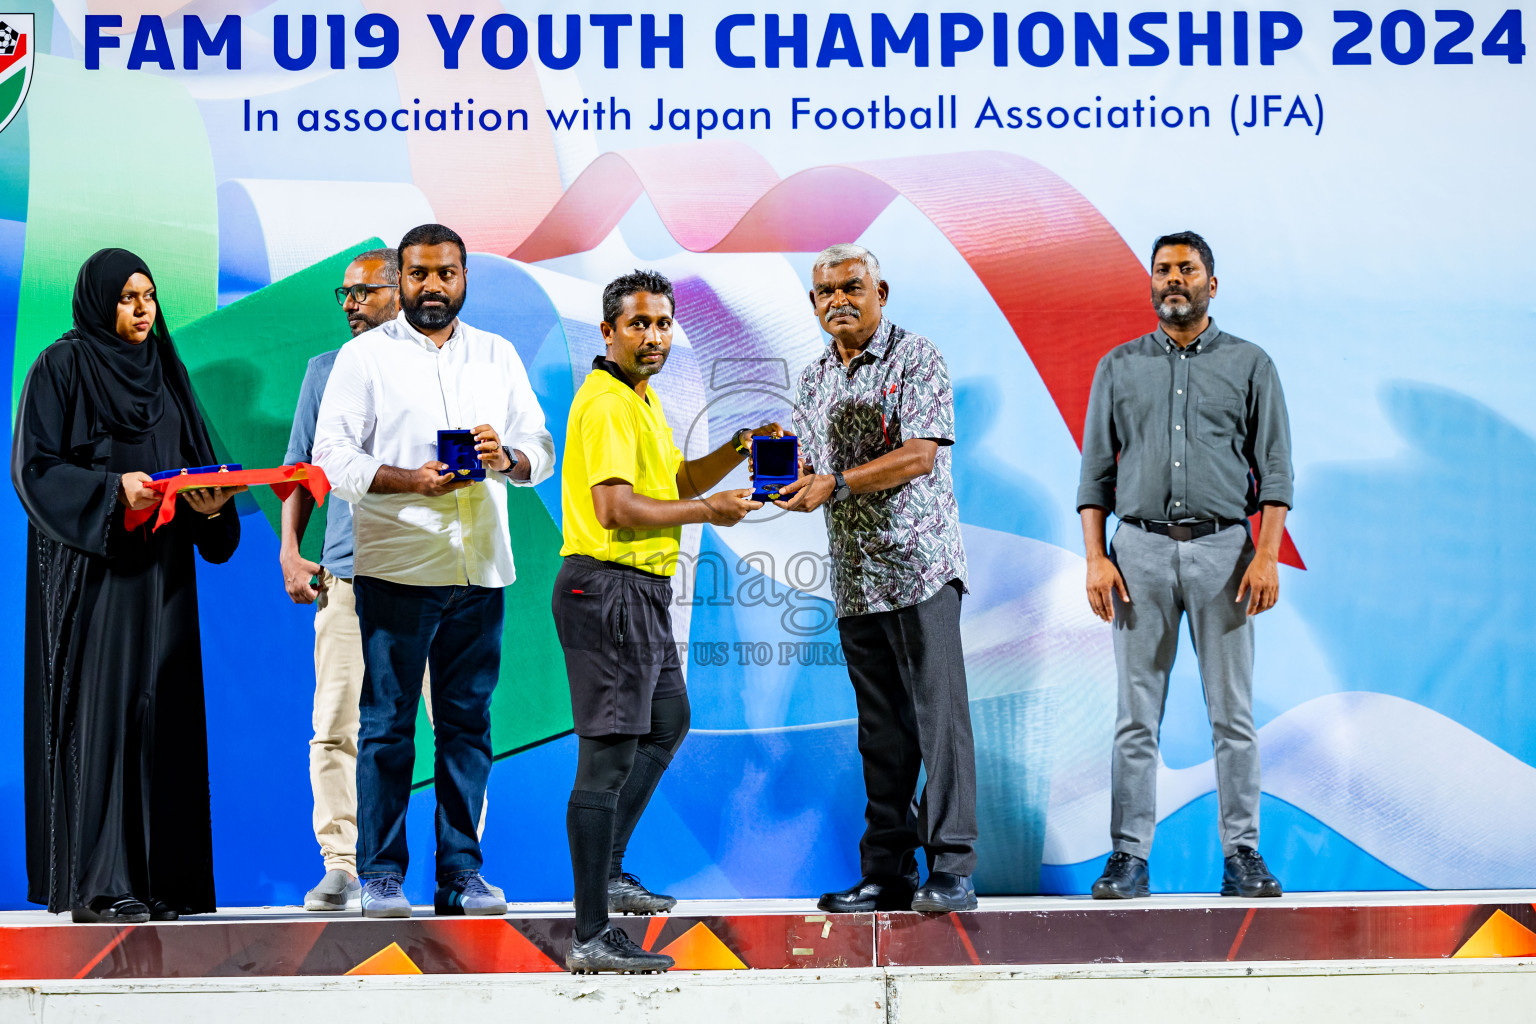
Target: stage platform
790, 935
1334, 958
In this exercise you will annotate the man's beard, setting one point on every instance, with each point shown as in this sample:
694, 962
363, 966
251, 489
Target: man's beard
361, 322
431, 318
639, 369
1186, 315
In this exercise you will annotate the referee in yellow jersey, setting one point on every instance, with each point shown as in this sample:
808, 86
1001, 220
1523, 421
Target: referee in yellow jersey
622, 497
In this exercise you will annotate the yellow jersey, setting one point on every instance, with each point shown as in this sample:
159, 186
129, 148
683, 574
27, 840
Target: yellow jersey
613, 433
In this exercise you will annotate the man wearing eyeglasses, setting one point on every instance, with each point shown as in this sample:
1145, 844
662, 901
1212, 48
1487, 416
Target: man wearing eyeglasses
369, 296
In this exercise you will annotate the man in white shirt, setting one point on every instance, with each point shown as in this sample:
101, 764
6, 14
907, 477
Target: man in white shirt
432, 554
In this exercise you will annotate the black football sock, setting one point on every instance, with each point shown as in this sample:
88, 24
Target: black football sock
589, 818
650, 762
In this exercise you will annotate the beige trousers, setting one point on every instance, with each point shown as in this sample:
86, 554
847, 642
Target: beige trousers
333, 749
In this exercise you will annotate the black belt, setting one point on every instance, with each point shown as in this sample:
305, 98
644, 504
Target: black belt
1183, 531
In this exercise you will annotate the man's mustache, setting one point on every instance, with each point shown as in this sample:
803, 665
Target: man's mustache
842, 311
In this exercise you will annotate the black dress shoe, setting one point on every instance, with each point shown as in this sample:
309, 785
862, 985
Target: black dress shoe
1246, 874
1124, 876
873, 892
159, 910
111, 910
945, 892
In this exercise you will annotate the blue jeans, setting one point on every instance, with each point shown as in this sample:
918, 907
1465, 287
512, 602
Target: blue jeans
458, 631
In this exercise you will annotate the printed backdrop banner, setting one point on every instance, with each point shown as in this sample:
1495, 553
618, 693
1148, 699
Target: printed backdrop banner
1363, 178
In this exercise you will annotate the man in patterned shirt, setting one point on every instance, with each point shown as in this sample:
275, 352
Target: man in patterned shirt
875, 416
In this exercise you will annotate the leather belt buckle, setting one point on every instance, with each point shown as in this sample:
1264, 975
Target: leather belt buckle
1180, 532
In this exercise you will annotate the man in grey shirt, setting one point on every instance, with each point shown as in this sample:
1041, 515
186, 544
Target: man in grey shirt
1186, 437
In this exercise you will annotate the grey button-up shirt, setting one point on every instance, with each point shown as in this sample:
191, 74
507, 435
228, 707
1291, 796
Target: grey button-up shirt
1194, 433
894, 548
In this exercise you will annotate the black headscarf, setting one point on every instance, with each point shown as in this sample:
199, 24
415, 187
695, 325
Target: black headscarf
124, 383
127, 385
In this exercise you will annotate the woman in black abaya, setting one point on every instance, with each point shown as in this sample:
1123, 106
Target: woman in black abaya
116, 747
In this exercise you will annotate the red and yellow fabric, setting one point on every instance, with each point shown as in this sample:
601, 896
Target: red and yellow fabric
282, 480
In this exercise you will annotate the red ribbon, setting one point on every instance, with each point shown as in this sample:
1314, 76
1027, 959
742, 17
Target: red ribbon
282, 479
1060, 273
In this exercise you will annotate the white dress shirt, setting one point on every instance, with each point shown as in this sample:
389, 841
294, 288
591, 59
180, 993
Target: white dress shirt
392, 389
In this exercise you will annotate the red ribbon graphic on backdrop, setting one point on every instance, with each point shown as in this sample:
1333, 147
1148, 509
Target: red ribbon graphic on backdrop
1062, 276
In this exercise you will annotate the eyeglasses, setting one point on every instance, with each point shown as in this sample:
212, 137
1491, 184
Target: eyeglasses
358, 293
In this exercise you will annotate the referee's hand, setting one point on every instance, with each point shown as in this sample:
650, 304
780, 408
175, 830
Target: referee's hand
727, 508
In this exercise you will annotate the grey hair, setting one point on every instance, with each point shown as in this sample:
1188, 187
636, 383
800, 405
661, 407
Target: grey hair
389, 257
843, 252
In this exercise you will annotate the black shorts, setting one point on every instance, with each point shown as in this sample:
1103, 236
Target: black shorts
615, 627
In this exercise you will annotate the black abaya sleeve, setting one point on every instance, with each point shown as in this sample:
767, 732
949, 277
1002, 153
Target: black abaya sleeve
216, 538
66, 502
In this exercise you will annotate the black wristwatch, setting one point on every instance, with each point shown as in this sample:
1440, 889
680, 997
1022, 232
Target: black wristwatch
511, 459
840, 489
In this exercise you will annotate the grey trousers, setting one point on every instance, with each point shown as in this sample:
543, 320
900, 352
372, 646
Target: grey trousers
908, 674
1168, 579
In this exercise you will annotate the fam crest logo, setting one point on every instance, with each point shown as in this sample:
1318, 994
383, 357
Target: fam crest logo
15, 64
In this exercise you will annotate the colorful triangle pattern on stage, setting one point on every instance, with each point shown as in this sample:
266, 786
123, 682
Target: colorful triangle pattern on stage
1501, 936
389, 960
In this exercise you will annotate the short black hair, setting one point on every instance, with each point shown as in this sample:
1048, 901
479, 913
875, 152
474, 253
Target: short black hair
631, 284
1192, 240
433, 234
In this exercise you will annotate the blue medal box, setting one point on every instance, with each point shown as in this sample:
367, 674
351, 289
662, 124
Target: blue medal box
456, 450
166, 474
775, 465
